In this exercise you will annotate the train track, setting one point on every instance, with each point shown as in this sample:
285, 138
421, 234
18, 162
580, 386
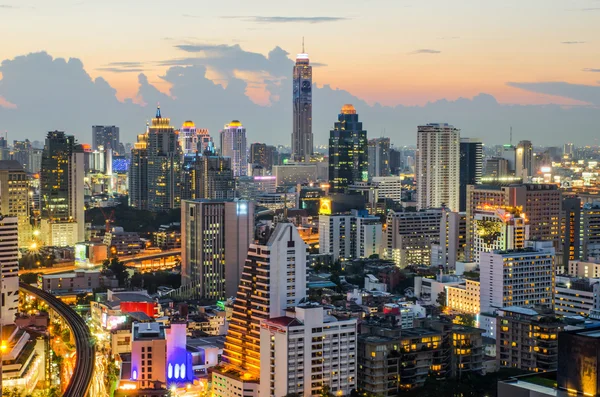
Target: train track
81, 380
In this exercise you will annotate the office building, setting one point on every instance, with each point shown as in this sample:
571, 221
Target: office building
302, 136
216, 235
498, 229
262, 155
188, 138
438, 166
14, 198
580, 229
106, 136
9, 265
251, 187
464, 297
233, 145
521, 277
120, 242
540, 203
584, 269
410, 235
274, 279
509, 153
138, 174
290, 345
292, 174
379, 157
207, 177
62, 190
574, 296
578, 356
350, 236
348, 151
527, 339
496, 168
164, 165
148, 355
29, 157
524, 160
471, 167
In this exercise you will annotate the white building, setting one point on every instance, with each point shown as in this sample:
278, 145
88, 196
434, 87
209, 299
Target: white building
451, 244
438, 161
305, 350
233, 145
188, 138
585, 269
372, 283
576, 296
9, 265
522, 277
296, 173
354, 235
250, 187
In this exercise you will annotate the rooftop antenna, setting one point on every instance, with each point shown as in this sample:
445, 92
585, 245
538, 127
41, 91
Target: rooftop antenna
511, 135
303, 45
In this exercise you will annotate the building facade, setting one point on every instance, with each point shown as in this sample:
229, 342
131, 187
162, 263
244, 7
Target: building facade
233, 145
14, 198
106, 136
216, 235
348, 151
138, 174
302, 136
9, 266
471, 167
379, 157
438, 166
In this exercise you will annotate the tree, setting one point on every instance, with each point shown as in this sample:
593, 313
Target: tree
117, 268
441, 300
326, 392
466, 319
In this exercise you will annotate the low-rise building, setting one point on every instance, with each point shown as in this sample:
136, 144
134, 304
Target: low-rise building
575, 296
121, 242
464, 297
79, 280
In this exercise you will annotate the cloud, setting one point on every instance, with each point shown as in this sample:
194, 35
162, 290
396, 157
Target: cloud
205, 47
425, 51
591, 9
126, 64
318, 64
580, 92
591, 70
48, 93
572, 42
7, 6
120, 70
278, 19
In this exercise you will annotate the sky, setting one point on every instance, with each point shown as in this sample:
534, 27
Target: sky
395, 58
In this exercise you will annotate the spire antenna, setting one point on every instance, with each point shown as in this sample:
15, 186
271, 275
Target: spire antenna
303, 45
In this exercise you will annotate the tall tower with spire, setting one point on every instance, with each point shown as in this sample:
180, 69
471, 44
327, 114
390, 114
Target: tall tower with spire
302, 136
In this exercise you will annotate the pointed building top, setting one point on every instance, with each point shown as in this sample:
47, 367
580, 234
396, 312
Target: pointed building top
304, 52
158, 116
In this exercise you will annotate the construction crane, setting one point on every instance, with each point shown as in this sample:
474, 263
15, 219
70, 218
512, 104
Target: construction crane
108, 219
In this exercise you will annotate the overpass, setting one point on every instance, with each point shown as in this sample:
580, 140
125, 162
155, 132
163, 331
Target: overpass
81, 380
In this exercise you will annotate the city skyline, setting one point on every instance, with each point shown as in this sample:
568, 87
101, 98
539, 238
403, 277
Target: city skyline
428, 75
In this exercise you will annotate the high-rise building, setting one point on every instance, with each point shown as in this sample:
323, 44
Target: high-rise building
452, 242
540, 203
580, 229
471, 167
291, 344
498, 229
396, 164
274, 279
215, 235
164, 165
509, 153
29, 157
302, 136
149, 355
521, 277
233, 145
262, 155
61, 190
207, 177
349, 236
524, 160
205, 141
496, 167
188, 138
379, 157
106, 136
9, 266
438, 165
568, 150
138, 174
14, 198
348, 151
410, 235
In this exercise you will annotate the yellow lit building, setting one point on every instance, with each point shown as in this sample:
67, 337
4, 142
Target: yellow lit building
464, 298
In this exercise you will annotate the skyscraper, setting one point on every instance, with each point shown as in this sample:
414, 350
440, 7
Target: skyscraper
233, 145
9, 267
263, 155
348, 151
302, 136
188, 138
14, 197
274, 278
471, 167
138, 174
437, 173
379, 157
164, 165
524, 160
207, 177
61, 190
106, 136
216, 235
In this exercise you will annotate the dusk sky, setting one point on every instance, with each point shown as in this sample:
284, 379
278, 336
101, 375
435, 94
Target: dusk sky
394, 52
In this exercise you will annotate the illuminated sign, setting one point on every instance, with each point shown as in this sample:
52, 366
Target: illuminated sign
325, 207
221, 305
114, 321
242, 208
81, 255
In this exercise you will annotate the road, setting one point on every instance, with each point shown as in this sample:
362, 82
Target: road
79, 384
